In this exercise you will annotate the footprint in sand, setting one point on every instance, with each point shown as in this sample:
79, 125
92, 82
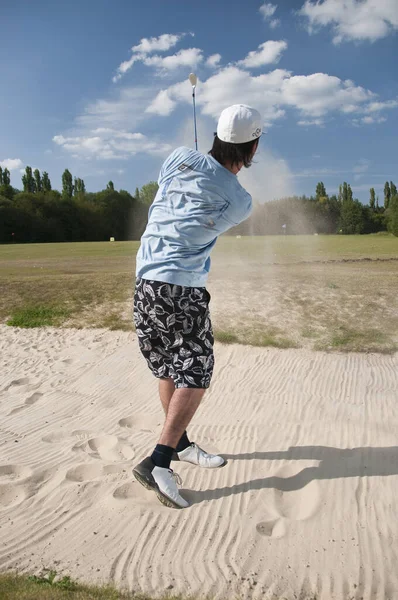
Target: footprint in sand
32, 399
289, 506
59, 436
18, 483
144, 422
91, 472
17, 383
10, 473
11, 495
106, 447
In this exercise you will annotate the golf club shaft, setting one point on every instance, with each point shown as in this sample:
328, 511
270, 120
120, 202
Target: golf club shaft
194, 118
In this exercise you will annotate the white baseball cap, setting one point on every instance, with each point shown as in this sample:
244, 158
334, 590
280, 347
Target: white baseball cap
239, 124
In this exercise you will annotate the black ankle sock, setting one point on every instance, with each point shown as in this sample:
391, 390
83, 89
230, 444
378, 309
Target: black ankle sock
183, 443
161, 456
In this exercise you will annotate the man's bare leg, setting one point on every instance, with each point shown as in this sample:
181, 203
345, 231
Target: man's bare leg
182, 407
166, 391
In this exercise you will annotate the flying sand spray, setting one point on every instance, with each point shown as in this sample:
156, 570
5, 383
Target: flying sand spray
193, 79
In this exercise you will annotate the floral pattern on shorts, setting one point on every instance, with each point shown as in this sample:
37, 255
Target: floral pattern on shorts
174, 332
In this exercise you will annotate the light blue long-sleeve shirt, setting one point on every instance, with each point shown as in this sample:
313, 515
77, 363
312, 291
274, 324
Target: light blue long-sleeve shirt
198, 199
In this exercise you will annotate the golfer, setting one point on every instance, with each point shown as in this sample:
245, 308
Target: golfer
199, 198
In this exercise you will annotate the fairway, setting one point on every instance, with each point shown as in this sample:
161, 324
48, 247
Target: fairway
318, 292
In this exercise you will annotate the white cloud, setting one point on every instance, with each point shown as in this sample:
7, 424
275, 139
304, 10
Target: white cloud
274, 23
319, 172
310, 122
11, 163
362, 166
267, 10
148, 45
123, 110
352, 19
162, 105
213, 60
356, 172
110, 144
369, 121
160, 44
112, 128
378, 106
126, 66
365, 187
319, 93
189, 57
266, 54
314, 96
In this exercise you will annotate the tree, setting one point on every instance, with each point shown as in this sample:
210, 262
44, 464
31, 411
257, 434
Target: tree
6, 189
79, 187
6, 177
372, 201
67, 185
110, 186
387, 195
393, 216
137, 194
38, 182
320, 191
46, 183
393, 189
28, 181
352, 217
148, 192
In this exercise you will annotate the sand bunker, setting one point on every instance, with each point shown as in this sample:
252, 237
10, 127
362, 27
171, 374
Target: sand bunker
307, 503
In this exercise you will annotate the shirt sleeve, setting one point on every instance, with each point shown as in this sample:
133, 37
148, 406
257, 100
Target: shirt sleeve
239, 207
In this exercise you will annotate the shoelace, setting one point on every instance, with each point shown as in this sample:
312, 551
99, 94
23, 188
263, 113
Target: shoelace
199, 451
176, 477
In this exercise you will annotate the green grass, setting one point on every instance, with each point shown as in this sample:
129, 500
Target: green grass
293, 291
254, 338
349, 339
37, 316
49, 586
226, 337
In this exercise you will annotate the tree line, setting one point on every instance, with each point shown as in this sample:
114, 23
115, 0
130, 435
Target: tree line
324, 214
38, 213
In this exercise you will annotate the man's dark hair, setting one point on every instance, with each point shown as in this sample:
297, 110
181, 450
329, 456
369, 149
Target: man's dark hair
233, 154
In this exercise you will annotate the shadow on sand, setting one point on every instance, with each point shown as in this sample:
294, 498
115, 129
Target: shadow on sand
334, 463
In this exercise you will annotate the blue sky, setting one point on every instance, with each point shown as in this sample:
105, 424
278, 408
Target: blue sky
102, 88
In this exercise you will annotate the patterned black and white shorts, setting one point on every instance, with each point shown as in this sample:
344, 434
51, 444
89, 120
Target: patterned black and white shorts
174, 332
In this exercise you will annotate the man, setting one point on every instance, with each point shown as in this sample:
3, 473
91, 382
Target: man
199, 198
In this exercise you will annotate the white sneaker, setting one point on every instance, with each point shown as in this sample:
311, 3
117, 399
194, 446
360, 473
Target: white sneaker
162, 481
196, 456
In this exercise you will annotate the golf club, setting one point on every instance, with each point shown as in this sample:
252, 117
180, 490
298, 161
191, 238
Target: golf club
193, 79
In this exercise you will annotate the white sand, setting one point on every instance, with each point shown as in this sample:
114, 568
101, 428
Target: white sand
307, 503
